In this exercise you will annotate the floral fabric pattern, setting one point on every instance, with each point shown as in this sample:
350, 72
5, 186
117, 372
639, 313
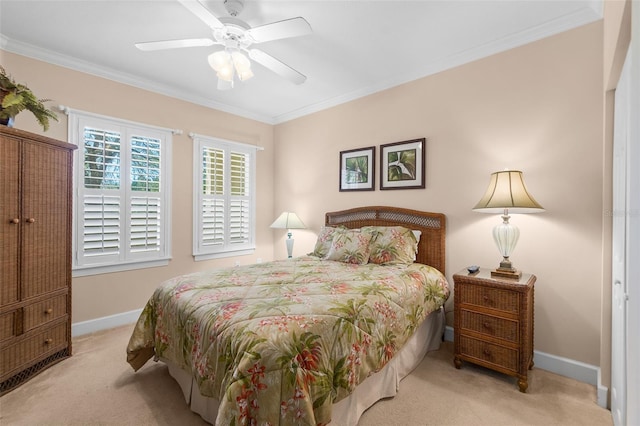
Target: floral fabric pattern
350, 246
392, 245
280, 342
323, 243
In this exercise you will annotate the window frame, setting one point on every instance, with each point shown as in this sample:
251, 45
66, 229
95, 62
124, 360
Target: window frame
200, 251
127, 259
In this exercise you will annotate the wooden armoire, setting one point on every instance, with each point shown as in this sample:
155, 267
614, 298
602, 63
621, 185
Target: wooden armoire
36, 181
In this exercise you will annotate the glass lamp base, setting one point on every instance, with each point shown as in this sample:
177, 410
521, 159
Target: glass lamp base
289, 247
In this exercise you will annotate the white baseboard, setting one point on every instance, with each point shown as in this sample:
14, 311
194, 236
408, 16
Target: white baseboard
104, 323
563, 366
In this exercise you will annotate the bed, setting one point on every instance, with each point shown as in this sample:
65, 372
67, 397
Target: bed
314, 340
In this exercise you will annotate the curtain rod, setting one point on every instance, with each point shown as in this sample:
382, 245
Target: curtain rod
195, 135
66, 110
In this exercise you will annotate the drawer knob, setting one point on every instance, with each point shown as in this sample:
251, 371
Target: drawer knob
48, 311
486, 325
486, 352
14, 221
485, 298
48, 341
31, 220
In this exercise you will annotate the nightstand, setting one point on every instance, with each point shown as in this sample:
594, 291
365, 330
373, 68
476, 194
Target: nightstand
493, 322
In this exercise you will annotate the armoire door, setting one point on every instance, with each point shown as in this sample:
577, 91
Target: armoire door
46, 227
9, 232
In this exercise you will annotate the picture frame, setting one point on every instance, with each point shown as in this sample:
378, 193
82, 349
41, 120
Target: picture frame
402, 164
357, 169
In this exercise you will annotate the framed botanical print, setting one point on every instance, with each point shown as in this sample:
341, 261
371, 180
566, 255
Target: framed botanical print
357, 169
402, 164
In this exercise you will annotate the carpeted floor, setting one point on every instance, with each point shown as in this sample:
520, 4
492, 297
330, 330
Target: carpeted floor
97, 387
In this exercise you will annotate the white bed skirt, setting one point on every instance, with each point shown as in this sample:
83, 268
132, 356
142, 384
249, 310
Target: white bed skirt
346, 412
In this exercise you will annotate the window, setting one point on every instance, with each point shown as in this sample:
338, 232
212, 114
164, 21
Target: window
122, 201
224, 192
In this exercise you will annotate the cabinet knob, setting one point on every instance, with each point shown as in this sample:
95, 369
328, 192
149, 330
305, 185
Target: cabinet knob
31, 220
15, 221
48, 311
48, 341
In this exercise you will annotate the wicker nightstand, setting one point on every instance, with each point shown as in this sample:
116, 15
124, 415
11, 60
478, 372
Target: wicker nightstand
493, 322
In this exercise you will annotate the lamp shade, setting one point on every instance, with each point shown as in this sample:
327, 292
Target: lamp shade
507, 191
288, 220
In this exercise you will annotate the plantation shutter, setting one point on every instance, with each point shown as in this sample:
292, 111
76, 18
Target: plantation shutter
101, 194
239, 206
224, 190
145, 204
122, 194
212, 229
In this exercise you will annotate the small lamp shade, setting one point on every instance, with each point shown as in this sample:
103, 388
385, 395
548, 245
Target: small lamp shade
288, 221
507, 192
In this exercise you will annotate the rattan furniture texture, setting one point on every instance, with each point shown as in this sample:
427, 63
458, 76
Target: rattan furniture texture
493, 322
35, 254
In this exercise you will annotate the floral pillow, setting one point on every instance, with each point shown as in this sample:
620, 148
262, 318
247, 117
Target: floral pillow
350, 246
392, 245
323, 243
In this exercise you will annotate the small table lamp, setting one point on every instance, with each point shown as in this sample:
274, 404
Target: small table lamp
507, 192
288, 221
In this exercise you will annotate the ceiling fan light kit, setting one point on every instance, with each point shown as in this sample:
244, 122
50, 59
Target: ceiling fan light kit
236, 37
229, 64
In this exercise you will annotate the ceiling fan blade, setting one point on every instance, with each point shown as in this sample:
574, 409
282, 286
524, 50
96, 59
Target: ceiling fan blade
293, 27
203, 13
276, 66
174, 44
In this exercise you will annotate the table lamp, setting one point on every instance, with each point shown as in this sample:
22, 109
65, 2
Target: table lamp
288, 221
507, 192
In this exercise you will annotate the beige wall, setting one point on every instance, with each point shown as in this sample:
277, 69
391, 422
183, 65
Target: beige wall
537, 108
109, 294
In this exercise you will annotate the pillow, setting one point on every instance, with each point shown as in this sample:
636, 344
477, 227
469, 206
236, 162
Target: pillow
392, 245
350, 246
416, 234
323, 243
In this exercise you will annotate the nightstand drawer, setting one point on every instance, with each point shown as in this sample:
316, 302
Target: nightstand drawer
492, 326
488, 297
489, 353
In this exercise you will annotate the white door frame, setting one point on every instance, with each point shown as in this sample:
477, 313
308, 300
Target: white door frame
619, 259
633, 226
625, 371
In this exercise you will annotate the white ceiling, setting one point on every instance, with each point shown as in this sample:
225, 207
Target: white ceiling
357, 47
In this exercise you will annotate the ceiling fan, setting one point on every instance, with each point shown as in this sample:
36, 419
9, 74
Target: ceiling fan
237, 37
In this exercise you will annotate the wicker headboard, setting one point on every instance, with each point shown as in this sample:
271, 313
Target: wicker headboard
431, 248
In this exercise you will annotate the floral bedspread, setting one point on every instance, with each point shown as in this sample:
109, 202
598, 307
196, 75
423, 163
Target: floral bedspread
279, 342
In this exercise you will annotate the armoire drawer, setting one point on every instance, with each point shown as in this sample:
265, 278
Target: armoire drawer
7, 325
16, 357
44, 311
